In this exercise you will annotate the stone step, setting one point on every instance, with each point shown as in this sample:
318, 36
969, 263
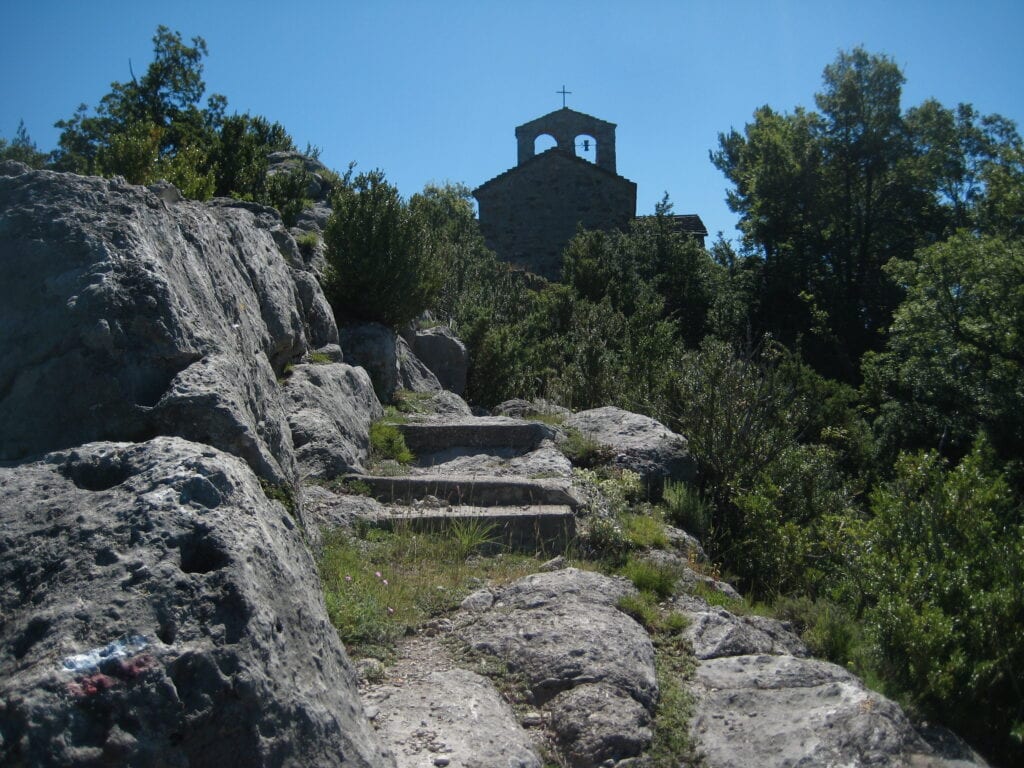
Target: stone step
535, 528
496, 433
475, 490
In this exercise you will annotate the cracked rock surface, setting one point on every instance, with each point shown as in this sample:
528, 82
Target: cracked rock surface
159, 610
590, 665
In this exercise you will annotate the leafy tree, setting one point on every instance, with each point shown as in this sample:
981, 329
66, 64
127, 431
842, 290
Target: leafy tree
159, 111
22, 149
156, 126
762, 429
828, 198
971, 165
239, 154
941, 567
450, 227
954, 361
379, 264
650, 265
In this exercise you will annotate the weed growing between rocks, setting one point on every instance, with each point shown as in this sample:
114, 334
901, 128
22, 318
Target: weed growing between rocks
320, 358
552, 418
308, 243
414, 403
281, 493
644, 531
686, 508
379, 585
387, 444
673, 662
584, 451
471, 535
658, 579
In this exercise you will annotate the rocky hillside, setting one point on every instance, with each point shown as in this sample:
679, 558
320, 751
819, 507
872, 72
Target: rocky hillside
170, 377
158, 607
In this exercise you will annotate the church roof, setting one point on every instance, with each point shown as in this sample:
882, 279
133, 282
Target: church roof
547, 155
691, 223
563, 112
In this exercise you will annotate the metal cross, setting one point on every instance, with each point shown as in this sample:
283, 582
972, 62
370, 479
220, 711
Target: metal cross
564, 93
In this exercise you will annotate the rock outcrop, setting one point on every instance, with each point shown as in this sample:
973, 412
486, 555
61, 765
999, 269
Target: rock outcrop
125, 316
443, 354
638, 443
330, 408
156, 607
159, 610
590, 665
128, 312
387, 358
761, 702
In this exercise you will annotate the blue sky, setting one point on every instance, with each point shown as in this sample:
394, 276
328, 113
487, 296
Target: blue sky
432, 91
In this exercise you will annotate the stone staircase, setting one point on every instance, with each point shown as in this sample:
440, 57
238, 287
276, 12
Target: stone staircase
587, 670
497, 474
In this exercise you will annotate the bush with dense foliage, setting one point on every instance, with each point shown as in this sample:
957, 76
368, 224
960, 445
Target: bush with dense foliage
380, 263
939, 571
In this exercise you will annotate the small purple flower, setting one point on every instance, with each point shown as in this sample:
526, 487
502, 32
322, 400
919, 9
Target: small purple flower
347, 577
390, 610
385, 582
377, 574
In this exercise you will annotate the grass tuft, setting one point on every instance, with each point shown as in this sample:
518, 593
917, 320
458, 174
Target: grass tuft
686, 508
660, 580
644, 531
381, 584
387, 443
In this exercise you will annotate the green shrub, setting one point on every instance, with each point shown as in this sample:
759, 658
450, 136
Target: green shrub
606, 540
387, 443
686, 508
644, 531
281, 493
658, 579
379, 263
307, 243
583, 451
286, 191
940, 567
827, 629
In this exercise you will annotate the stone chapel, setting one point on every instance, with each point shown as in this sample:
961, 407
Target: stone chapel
530, 212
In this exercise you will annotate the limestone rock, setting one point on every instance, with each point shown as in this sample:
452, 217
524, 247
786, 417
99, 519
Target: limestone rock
330, 409
318, 188
715, 632
455, 715
561, 629
330, 510
599, 722
529, 409
387, 358
446, 404
413, 374
765, 711
159, 610
639, 443
124, 315
443, 354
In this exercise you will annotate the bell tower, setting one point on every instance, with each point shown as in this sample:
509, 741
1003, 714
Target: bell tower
530, 212
565, 126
